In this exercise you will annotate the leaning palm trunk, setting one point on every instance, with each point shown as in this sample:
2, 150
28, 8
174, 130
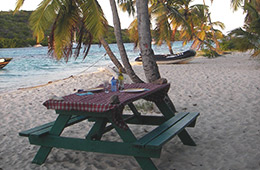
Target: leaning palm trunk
170, 47
111, 55
149, 65
124, 58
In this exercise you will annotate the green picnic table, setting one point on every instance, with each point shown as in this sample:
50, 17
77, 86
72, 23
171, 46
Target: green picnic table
97, 107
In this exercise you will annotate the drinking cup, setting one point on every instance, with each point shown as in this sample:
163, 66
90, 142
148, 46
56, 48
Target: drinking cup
106, 86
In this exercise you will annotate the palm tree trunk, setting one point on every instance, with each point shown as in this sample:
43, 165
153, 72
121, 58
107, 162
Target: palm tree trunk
149, 65
111, 55
117, 28
170, 48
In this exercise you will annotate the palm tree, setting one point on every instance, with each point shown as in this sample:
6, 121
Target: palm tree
163, 30
166, 23
247, 38
235, 4
149, 65
173, 14
204, 32
141, 33
66, 18
212, 30
111, 55
198, 30
117, 29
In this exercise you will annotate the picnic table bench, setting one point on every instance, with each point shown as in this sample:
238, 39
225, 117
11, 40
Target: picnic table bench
97, 108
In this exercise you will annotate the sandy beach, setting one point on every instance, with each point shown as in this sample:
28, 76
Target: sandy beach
225, 90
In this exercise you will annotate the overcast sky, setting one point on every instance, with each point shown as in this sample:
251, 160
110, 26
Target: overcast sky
220, 11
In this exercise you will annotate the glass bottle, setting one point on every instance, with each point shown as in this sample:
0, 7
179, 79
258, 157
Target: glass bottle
120, 80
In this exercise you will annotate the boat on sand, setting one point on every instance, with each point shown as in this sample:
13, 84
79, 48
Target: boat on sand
4, 62
179, 58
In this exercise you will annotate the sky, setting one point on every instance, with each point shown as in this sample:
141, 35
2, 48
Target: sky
219, 9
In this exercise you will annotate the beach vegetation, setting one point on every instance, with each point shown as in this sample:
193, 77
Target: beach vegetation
14, 30
117, 30
142, 105
248, 36
178, 20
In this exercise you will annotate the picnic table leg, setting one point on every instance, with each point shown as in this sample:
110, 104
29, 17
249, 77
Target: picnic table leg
168, 113
127, 136
56, 129
165, 109
169, 103
134, 110
186, 138
97, 130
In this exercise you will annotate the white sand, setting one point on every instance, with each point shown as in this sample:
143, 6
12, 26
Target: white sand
225, 90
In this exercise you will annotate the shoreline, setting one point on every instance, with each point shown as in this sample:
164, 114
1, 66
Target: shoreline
225, 90
82, 73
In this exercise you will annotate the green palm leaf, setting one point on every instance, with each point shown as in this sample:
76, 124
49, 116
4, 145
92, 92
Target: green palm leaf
19, 4
93, 18
235, 4
42, 18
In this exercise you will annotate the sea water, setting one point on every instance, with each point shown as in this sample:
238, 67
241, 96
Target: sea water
33, 66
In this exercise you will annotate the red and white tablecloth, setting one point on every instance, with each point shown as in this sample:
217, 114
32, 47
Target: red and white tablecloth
100, 101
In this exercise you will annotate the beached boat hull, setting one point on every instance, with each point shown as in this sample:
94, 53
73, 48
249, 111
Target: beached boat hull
4, 62
180, 58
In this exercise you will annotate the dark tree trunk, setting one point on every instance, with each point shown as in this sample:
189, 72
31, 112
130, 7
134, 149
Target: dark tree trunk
111, 55
149, 65
117, 28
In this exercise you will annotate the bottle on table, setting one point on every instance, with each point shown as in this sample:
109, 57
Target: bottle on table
120, 80
113, 84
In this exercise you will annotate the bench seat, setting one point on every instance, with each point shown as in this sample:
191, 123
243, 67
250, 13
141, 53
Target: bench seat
45, 128
166, 131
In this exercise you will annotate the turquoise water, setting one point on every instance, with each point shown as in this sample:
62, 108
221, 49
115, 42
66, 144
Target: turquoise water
32, 66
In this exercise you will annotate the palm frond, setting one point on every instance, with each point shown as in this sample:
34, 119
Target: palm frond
235, 4
219, 24
127, 5
244, 40
42, 18
19, 4
63, 30
178, 17
133, 32
93, 18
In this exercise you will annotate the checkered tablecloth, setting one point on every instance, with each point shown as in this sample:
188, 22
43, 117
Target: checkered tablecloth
100, 101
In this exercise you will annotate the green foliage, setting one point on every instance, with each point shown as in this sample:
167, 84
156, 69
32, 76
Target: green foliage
15, 30
248, 37
209, 53
227, 44
142, 105
14, 26
110, 36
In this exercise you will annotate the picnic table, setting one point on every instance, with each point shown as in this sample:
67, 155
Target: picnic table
107, 114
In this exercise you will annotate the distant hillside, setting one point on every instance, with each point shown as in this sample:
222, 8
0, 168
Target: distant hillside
14, 26
15, 31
